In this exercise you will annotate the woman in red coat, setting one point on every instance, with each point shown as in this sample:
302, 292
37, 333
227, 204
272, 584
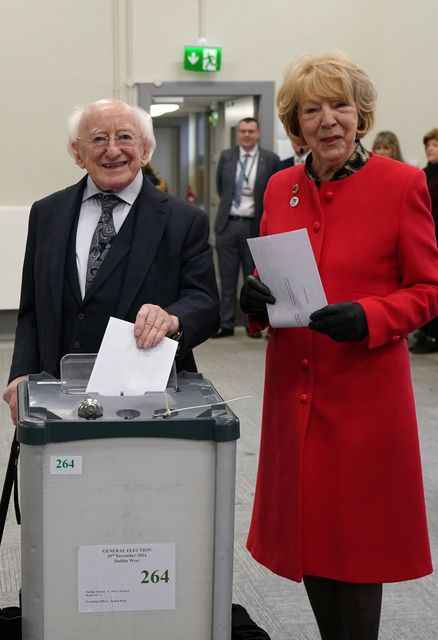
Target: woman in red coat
339, 498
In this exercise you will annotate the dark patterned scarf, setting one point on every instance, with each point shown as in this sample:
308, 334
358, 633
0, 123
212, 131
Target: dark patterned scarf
356, 161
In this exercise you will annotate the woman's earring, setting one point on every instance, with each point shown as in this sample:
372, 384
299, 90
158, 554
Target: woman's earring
357, 139
301, 151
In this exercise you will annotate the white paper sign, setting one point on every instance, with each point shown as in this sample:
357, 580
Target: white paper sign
66, 465
126, 577
286, 264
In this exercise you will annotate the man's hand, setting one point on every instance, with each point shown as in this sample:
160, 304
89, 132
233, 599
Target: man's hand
254, 296
342, 322
152, 324
10, 396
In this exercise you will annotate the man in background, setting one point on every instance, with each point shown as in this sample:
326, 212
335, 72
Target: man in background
242, 175
112, 245
299, 156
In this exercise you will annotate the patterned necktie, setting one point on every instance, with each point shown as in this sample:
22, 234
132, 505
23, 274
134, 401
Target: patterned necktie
239, 182
103, 235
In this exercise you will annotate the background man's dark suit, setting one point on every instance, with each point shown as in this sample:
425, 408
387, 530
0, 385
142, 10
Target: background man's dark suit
286, 163
268, 163
299, 157
160, 255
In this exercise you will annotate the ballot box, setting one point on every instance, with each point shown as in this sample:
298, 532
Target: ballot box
127, 511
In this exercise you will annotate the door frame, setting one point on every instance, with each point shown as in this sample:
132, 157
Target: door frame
264, 91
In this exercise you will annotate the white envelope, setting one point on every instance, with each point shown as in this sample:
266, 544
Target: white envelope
286, 264
122, 367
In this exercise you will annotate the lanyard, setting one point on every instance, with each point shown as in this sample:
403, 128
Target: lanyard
246, 176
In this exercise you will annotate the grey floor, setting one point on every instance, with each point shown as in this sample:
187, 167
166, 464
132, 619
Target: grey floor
235, 366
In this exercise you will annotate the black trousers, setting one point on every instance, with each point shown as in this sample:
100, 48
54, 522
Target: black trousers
431, 329
233, 254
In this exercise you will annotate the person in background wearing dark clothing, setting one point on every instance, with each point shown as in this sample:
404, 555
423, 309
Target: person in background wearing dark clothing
241, 178
430, 142
426, 339
112, 245
339, 499
299, 157
154, 177
386, 144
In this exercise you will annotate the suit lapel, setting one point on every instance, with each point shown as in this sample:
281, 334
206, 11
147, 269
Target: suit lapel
233, 171
261, 170
59, 234
70, 264
234, 163
151, 218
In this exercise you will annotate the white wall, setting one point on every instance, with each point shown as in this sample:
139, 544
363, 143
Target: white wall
394, 40
13, 225
408, 85
55, 54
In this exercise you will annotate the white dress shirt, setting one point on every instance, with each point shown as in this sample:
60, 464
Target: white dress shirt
247, 205
89, 217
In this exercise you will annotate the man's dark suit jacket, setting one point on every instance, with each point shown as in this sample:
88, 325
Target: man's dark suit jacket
168, 262
268, 163
286, 163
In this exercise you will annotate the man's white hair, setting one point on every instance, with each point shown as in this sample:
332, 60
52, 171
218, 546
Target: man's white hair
142, 117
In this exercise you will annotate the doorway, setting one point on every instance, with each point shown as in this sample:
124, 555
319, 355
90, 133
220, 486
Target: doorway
189, 141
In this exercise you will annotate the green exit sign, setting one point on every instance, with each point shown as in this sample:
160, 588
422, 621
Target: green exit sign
202, 58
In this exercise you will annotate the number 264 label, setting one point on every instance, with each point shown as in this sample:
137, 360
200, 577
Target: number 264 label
66, 465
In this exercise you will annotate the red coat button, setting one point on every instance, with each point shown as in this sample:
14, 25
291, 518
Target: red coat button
329, 195
302, 398
316, 226
304, 363
396, 338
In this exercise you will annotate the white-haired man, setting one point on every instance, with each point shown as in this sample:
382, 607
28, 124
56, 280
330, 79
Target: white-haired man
112, 245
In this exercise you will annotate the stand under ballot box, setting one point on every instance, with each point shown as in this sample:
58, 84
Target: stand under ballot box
127, 512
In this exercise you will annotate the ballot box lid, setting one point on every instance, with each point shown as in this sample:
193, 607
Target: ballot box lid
47, 412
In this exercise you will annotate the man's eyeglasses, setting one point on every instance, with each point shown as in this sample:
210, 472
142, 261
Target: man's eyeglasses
122, 140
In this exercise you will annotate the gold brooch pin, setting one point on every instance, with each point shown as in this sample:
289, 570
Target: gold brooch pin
295, 189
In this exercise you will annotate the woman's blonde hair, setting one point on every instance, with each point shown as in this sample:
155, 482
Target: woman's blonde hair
388, 140
330, 76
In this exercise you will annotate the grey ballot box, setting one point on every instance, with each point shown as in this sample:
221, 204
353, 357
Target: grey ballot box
127, 518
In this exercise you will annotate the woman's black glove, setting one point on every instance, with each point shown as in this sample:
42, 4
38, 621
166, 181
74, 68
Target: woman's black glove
254, 296
342, 322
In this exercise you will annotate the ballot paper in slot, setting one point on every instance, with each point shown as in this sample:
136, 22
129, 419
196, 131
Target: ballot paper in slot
286, 264
122, 368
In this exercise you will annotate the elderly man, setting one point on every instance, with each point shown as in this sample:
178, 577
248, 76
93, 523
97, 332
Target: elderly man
112, 245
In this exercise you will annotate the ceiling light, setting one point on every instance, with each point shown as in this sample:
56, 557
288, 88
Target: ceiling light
161, 99
159, 109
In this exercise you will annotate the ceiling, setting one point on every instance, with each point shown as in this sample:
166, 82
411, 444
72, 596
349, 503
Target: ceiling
192, 104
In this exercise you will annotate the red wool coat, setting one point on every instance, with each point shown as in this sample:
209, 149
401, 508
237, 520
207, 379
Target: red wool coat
339, 490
